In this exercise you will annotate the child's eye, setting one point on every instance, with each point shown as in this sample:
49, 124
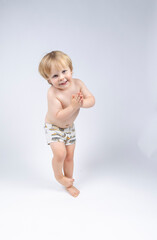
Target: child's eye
55, 76
64, 71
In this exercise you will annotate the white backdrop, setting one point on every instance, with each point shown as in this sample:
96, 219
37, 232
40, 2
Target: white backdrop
113, 48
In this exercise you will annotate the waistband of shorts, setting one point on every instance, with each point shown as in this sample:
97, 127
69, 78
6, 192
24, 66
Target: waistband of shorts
53, 125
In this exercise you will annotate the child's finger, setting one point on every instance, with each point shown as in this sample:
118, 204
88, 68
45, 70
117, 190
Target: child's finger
74, 97
81, 99
78, 97
80, 94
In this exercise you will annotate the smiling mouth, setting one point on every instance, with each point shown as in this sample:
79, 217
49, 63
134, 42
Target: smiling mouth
63, 83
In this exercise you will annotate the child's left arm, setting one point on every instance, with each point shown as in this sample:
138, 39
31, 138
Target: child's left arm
88, 98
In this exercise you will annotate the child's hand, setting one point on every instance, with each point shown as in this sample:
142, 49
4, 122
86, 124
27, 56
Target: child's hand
77, 100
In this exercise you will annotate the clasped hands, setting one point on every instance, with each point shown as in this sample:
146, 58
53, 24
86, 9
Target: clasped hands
77, 100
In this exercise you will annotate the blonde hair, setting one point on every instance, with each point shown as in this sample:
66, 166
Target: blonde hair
56, 60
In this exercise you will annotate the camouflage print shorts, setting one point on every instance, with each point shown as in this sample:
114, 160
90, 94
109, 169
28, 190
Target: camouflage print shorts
56, 134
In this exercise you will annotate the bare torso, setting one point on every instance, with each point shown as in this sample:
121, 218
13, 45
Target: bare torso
65, 98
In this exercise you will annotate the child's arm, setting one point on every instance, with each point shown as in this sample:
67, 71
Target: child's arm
88, 98
61, 114
65, 113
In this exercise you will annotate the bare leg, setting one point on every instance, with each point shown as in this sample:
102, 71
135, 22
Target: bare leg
68, 164
59, 154
68, 168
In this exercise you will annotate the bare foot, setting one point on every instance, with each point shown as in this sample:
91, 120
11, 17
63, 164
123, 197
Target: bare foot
65, 181
73, 191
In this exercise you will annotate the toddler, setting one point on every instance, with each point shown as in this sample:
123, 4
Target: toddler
65, 97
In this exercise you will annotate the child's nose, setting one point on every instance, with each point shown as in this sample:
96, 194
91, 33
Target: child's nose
61, 76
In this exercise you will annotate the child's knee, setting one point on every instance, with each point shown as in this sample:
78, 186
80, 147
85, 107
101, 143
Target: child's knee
69, 159
60, 155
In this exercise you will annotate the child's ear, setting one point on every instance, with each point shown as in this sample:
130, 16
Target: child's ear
49, 82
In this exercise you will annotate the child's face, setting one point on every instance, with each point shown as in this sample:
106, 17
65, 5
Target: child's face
61, 79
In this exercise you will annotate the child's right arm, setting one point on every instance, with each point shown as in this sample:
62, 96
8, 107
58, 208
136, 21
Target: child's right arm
58, 112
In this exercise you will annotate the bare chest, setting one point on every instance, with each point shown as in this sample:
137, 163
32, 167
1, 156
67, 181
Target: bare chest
65, 97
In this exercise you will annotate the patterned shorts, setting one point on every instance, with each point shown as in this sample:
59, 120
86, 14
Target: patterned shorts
56, 134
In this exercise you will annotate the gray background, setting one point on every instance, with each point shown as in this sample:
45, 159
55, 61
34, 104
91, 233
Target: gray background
113, 48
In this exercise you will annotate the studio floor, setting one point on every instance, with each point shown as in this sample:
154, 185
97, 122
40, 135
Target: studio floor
117, 204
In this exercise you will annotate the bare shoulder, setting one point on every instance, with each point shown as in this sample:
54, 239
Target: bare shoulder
53, 102
51, 95
83, 88
78, 82
50, 92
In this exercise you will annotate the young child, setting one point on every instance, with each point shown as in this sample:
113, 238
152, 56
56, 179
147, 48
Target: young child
65, 98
